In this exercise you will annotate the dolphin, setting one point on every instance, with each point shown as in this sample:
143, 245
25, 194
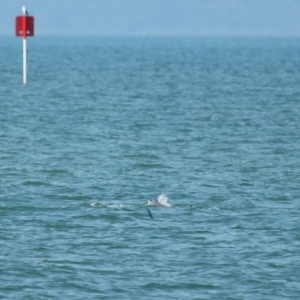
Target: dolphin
150, 214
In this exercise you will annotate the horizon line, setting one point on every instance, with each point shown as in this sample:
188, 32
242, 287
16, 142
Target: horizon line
160, 35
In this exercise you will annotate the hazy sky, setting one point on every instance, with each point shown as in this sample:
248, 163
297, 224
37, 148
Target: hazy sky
157, 17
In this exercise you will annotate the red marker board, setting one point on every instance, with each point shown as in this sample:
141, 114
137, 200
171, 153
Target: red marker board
24, 26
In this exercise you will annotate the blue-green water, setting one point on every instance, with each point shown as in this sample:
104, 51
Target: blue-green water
104, 124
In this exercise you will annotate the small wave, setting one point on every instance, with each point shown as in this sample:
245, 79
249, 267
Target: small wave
191, 206
214, 208
113, 205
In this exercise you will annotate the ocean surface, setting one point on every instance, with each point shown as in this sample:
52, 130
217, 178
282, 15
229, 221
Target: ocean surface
106, 123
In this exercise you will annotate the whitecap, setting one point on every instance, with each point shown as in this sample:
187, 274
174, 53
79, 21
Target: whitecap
215, 208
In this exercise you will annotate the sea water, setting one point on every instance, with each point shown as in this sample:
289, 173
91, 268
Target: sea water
106, 123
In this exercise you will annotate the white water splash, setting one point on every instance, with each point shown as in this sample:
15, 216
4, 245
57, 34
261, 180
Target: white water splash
162, 200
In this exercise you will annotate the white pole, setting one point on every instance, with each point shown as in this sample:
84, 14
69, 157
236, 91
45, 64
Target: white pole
24, 60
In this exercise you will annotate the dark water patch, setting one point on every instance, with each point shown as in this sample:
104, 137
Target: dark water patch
149, 166
36, 183
54, 172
